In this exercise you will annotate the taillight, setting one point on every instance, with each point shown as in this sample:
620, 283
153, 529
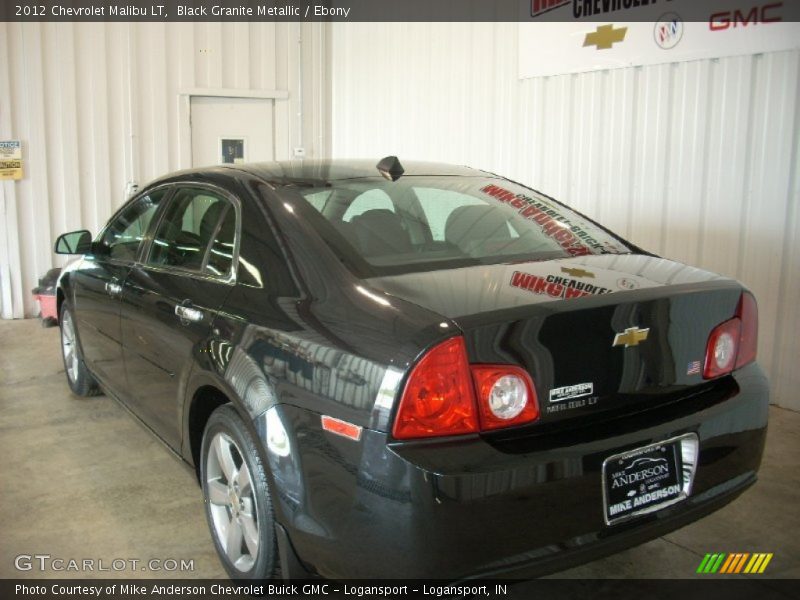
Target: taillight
721, 349
439, 398
732, 344
506, 396
748, 341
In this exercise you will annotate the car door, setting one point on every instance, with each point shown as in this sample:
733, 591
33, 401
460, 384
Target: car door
171, 297
97, 285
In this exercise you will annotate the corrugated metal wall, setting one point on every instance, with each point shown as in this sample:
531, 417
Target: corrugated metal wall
696, 161
97, 105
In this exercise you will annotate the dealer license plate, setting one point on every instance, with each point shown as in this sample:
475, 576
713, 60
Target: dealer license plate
647, 479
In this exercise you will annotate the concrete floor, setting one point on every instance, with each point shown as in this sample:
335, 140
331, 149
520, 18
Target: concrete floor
81, 479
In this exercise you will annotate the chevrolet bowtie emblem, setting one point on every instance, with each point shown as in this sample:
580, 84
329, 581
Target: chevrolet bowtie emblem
577, 272
630, 337
604, 37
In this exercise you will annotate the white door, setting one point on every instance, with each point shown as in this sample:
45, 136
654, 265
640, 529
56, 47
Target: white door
231, 130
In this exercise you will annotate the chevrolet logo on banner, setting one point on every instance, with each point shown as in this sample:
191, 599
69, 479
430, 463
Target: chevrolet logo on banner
577, 272
604, 37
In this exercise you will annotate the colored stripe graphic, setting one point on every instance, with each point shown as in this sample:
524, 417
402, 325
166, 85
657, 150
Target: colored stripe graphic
767, 558
712, 562
731, 566
715, 567
727, 564
754, 562
703, 563
735, 563
744, 558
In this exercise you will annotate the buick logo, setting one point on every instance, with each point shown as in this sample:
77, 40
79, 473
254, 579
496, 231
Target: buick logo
668, 31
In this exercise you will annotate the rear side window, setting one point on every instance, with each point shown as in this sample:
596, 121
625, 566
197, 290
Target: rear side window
125, 232
196, 234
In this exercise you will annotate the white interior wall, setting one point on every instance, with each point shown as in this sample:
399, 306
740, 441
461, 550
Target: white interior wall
695, 161
97, 105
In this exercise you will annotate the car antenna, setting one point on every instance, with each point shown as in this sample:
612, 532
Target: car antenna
391, 168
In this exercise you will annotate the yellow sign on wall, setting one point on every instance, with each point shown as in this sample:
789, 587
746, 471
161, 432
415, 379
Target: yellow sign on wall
10, 159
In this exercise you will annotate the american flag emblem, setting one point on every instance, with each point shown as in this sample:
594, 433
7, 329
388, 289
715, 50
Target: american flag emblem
693, 368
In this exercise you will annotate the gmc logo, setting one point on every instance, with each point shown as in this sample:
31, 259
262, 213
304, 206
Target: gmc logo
736, 18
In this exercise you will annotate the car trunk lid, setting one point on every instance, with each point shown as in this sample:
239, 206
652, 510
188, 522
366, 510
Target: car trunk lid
598, 334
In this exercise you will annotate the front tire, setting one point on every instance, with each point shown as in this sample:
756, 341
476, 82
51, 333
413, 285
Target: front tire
236, 494
79, 378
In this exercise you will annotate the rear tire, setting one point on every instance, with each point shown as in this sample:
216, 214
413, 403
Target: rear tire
237, 500
79, 378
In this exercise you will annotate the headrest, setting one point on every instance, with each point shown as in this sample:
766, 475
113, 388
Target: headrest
476, 223
210, 220
380, 231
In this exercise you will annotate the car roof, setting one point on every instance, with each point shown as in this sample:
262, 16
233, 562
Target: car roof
321, 171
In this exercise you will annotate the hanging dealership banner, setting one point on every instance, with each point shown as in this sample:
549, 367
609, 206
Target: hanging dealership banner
10, 160
577, 45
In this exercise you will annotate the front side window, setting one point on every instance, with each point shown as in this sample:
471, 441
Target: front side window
124, 234
422, 223
196, 234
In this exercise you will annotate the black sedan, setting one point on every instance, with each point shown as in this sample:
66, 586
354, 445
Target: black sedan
414, 370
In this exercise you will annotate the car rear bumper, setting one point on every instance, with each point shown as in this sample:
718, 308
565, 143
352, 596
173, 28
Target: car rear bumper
480, 507
582, 550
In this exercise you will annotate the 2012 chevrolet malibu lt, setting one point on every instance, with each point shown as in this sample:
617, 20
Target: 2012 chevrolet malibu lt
413, 370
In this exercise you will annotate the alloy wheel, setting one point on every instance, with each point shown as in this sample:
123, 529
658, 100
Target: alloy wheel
69, 346
232, 502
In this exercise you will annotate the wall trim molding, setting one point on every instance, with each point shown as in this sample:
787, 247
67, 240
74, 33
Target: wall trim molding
236, 93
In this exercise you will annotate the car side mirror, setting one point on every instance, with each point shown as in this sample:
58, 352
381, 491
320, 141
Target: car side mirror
74, 242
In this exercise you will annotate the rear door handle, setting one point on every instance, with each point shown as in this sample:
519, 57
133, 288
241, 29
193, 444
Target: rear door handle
188, 314
113, 289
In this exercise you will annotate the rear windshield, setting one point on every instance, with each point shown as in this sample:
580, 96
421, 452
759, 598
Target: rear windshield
420, 223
